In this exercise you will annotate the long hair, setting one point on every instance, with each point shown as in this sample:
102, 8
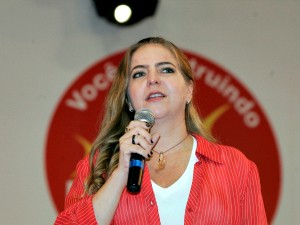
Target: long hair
104, 156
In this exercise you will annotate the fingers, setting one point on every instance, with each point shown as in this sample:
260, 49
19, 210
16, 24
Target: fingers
137, 123
144, 146
138, 128
154, 139
137, 139
136, 144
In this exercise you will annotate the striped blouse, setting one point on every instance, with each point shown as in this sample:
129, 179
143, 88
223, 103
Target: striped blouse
225, 190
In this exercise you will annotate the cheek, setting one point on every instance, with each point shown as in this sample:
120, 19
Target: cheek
134, 94
180, 92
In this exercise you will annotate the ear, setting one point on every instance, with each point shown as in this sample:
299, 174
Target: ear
190, 89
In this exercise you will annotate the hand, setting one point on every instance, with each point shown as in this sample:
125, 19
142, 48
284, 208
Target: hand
144, 142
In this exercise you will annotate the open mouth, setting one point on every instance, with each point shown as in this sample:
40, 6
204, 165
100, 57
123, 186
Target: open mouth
155, 95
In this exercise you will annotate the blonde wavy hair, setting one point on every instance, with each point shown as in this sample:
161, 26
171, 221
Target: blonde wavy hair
104, 155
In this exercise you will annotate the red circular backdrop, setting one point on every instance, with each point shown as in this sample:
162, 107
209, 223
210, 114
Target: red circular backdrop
230, 111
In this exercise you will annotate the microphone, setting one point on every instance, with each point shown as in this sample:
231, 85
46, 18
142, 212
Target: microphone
136, 165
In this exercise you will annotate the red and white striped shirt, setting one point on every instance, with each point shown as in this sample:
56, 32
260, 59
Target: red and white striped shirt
225, 190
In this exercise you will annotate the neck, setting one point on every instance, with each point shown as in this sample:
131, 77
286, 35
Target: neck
170, 136
172, 147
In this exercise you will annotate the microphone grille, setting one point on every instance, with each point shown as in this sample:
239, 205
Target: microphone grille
145, 115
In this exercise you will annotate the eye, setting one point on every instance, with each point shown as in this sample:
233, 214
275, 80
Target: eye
167, 70
138, 74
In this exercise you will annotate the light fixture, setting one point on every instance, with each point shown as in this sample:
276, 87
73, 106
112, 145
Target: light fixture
125, 12
122, 13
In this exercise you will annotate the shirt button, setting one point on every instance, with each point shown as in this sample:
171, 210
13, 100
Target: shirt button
151, 203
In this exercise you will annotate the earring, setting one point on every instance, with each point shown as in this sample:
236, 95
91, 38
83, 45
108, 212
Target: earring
130, 107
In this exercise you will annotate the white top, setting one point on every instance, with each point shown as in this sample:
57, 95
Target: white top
171, 201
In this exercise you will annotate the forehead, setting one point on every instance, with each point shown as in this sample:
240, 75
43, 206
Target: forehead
152, 53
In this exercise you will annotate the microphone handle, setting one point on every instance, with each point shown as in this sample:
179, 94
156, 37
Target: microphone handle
135, 175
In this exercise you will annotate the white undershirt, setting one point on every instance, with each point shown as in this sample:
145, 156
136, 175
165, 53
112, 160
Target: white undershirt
171, 201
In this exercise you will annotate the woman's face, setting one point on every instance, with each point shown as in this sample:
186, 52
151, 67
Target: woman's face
156, 82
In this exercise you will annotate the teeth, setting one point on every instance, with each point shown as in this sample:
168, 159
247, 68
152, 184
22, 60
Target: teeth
156, 95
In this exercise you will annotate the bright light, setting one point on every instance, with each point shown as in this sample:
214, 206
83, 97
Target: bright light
122, 13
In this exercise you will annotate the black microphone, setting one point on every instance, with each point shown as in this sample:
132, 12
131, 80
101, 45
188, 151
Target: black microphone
136, 165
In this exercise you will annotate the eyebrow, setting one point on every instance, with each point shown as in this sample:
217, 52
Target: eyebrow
156, 65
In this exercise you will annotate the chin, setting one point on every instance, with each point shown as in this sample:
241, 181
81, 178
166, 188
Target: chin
158, 113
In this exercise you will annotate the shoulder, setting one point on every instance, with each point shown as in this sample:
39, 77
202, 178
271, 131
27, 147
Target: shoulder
223, 154
83, 167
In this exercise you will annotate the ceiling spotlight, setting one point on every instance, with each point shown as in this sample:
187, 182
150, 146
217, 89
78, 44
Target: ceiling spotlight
125, 12
122, 13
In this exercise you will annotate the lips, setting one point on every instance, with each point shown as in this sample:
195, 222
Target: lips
154, 95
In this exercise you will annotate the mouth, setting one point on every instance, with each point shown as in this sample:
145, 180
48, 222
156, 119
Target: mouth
156, 95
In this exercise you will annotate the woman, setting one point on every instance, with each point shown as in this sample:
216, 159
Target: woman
188, 179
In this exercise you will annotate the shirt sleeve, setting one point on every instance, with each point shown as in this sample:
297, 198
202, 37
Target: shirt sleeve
78, 207
252, 206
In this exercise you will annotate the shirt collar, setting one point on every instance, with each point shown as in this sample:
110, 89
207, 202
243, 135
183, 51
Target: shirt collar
208, 150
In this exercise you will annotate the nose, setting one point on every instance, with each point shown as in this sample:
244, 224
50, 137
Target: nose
153, 78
